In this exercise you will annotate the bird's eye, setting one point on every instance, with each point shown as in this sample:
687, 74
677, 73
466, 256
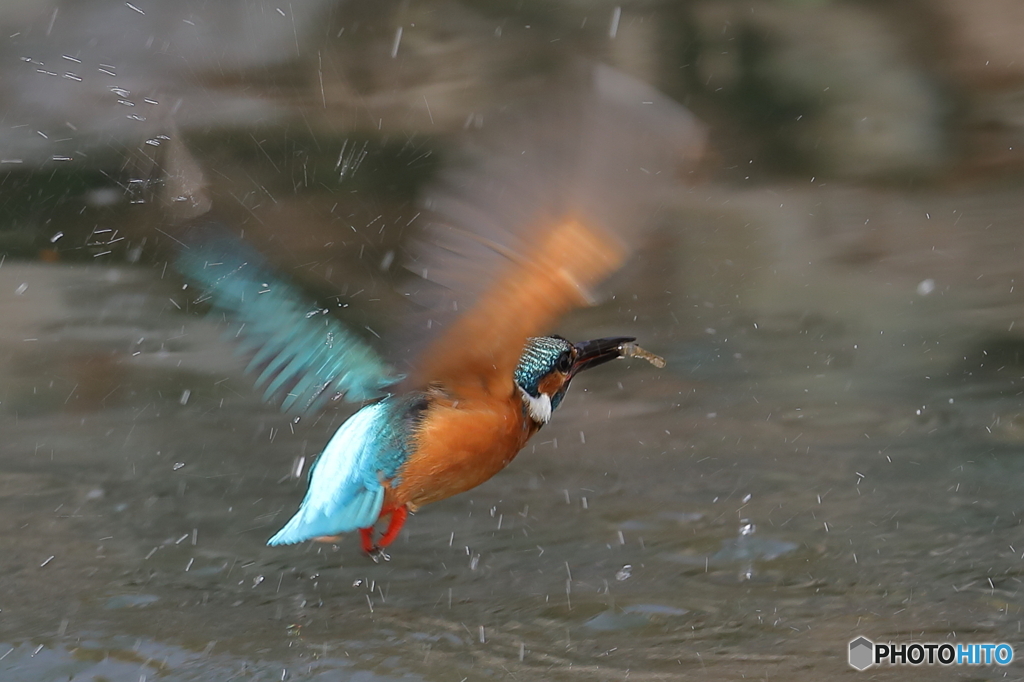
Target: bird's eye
564, 363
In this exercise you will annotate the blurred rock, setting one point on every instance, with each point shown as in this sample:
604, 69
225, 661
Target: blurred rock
985, 39
81, 78
830, 86
315, 124
984, 58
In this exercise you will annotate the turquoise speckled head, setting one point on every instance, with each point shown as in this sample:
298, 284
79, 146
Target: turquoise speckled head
546, 354
543, 355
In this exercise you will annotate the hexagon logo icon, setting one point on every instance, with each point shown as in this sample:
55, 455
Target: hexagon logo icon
862, 652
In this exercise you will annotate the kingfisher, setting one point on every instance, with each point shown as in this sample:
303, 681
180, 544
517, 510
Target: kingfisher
403, 452
472, 404
511, 262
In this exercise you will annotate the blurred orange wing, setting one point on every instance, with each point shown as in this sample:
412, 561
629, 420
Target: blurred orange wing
534, 210
477, 355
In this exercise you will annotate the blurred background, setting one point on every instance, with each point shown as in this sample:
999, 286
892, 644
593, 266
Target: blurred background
834, 449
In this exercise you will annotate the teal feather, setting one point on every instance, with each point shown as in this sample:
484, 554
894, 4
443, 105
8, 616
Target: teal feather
303, 359
346, 489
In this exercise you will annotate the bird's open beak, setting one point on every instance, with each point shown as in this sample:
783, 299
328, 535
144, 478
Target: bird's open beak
598, 351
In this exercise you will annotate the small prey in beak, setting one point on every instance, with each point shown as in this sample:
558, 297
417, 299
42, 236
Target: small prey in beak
599, 351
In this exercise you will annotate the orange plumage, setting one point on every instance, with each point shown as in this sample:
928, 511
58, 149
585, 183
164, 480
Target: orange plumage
479, 353
522, 233
459, 446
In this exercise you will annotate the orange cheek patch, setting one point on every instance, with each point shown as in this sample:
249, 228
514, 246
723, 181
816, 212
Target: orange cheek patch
552, 383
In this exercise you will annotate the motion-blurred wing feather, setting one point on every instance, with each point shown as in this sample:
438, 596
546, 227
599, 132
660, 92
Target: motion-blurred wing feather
304, 358
542, 206
530, 296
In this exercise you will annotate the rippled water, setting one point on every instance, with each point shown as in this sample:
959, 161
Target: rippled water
832, 451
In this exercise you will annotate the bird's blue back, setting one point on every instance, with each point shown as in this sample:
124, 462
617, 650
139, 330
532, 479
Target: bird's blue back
346, 490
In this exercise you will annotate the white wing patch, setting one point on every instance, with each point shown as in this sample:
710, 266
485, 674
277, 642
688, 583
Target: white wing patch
539, 408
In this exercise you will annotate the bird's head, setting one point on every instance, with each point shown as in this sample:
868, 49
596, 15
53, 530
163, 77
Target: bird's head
549, 363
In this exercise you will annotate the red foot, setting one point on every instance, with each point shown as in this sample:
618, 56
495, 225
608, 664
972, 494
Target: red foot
398, 517
366, 537
395, 523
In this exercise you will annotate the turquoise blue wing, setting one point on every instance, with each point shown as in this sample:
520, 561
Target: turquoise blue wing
303, 358
345, 491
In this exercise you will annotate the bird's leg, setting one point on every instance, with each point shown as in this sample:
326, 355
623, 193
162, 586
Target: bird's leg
398, 516
376, 550
366, 537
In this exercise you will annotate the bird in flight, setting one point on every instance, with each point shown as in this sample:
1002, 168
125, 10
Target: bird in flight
539, 208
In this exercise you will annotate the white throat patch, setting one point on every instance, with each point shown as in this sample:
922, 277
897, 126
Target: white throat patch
539, 408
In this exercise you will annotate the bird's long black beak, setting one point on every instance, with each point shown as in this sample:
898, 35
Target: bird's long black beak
598, 351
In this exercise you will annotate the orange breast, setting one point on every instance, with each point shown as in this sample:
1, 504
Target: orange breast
459, 446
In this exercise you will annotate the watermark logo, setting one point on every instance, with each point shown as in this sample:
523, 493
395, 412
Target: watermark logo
864, 653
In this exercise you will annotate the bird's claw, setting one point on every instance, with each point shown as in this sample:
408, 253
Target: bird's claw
378, 555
